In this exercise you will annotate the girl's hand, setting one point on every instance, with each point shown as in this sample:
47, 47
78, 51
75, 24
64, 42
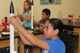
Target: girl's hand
19, 21
14, 22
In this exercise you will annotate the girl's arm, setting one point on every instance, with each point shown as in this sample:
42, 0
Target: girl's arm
33, 39
30, 37
24, 40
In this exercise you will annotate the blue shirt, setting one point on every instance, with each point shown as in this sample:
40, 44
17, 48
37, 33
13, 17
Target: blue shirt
55, 46
42, 21
27, 24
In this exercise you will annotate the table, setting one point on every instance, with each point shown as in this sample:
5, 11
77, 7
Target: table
5, 42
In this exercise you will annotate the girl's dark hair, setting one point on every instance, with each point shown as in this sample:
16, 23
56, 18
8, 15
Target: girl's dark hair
47, 11
57, 24
63, 33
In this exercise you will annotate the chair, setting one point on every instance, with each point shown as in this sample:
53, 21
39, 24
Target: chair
71, 41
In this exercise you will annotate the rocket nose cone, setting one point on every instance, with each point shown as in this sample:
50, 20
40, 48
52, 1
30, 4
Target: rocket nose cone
32, 2
11, 7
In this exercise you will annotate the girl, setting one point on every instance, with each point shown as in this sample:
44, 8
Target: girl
26, 17
50, 43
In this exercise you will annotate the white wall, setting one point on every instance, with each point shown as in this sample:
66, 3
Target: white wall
62, 11
5, 7
67, 7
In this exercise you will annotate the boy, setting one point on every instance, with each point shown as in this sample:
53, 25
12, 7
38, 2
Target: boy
45, 16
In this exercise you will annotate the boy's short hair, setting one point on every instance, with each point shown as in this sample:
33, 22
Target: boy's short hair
47, 11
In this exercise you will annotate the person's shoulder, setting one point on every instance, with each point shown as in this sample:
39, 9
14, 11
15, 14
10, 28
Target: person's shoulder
29, 12
42, 21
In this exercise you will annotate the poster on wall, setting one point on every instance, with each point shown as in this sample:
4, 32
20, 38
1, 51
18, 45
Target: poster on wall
43, 2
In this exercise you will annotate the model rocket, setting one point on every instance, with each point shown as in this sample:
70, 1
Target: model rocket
11, 29
32, 15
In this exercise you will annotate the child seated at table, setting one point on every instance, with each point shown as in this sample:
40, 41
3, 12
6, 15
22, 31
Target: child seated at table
50, 43
45, 16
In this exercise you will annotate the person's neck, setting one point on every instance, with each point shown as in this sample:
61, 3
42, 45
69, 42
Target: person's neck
25, 11
54, 38
46, 19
